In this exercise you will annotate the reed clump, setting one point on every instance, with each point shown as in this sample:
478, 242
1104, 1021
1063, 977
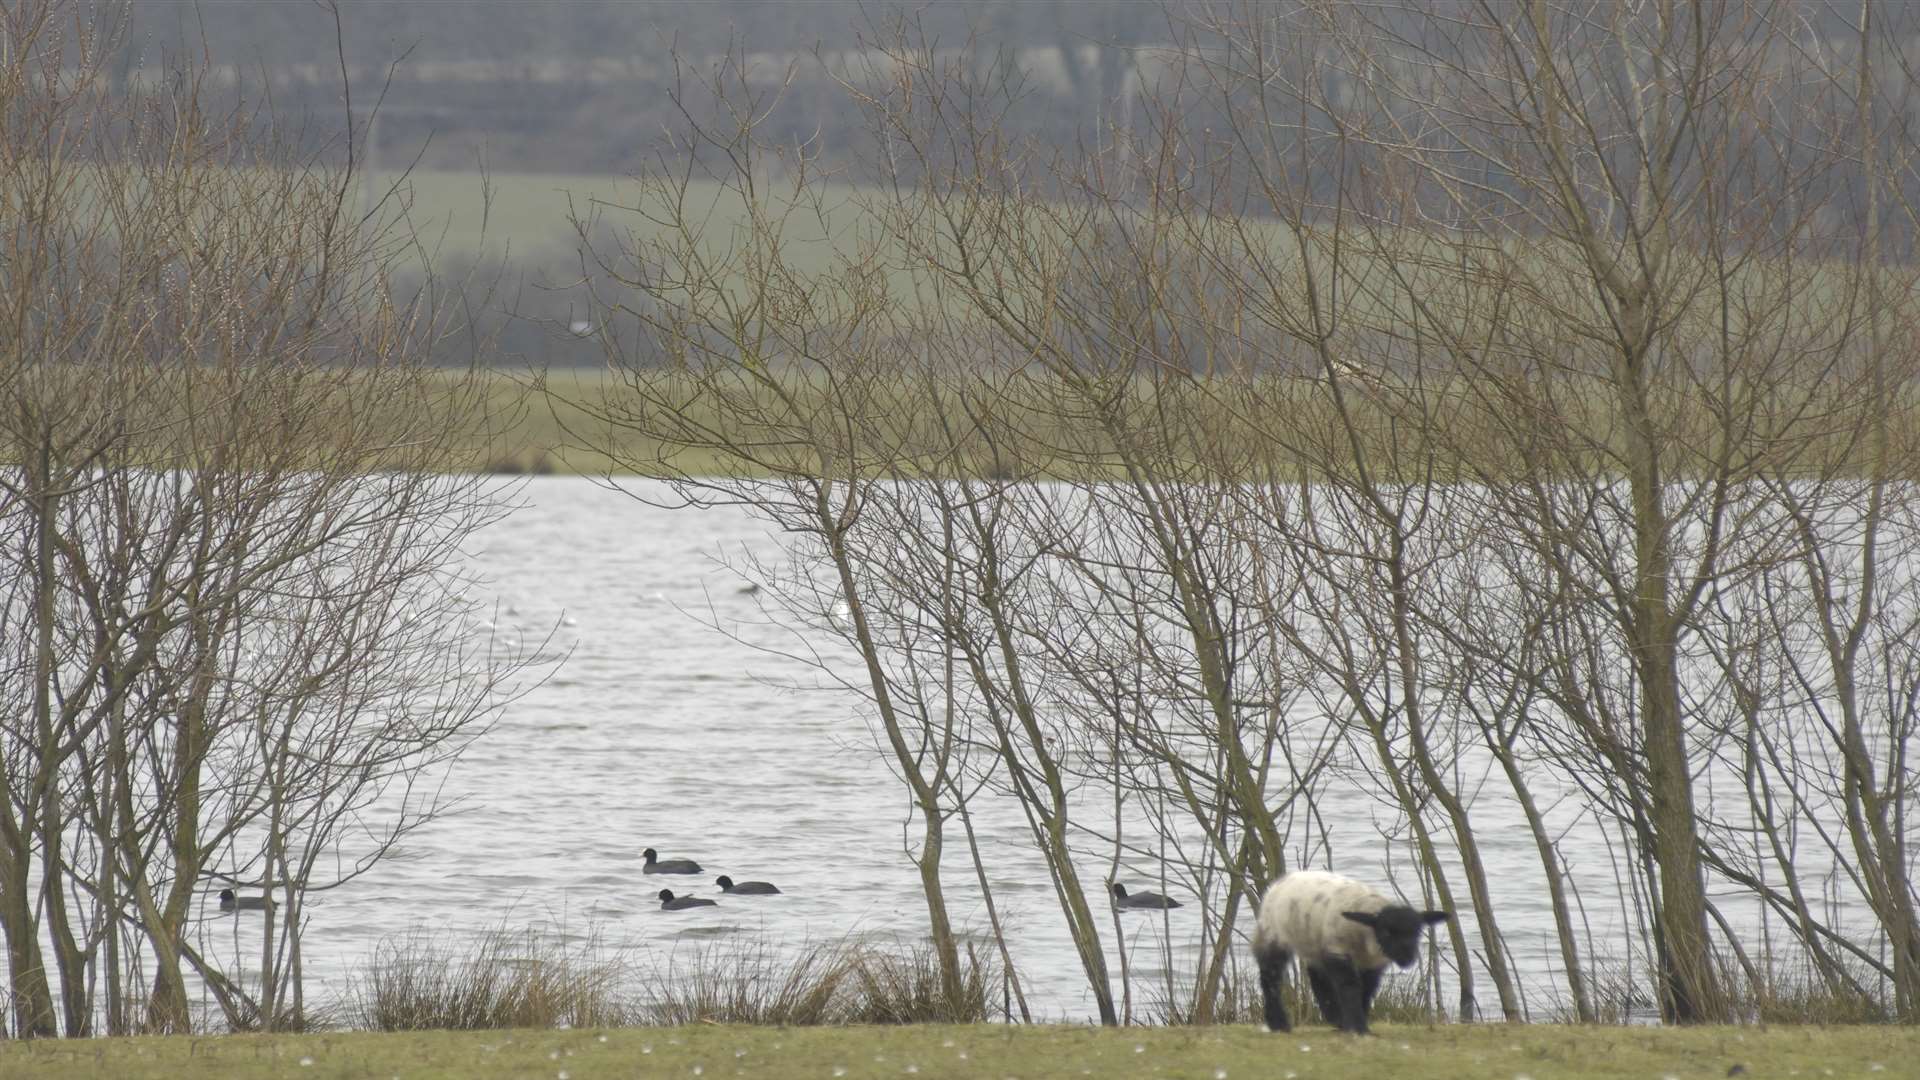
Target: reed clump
527, 979
1800, 996
902, 986
824, 984
748, 984
501, 979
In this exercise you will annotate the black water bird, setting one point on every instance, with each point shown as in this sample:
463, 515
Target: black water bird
1142, 900
230, 902
657, 865
670, 902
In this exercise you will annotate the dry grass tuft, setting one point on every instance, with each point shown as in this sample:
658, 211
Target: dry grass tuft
824, 984
748, 984
902, 986
502, 980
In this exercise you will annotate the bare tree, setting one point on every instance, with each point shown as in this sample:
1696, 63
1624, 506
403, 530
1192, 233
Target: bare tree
1420, 397
777, 394
227, 535
1577, 247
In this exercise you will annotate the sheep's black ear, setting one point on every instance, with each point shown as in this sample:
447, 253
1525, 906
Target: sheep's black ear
1431, 917
1364, 918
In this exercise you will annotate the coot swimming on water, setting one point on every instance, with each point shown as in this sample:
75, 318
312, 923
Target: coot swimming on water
656, 865
1150, 900
670, 902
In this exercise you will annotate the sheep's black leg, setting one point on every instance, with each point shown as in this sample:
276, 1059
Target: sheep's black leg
1343, 984
1369, 986
1273, 971
1323, 993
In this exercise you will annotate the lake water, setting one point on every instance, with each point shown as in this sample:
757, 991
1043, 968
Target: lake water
660, 732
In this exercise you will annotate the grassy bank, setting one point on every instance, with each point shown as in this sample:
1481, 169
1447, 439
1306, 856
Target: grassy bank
1026, 426
1271, 427
706, 1051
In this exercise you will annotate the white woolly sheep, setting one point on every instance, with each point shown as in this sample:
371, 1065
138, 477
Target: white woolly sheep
1344, 934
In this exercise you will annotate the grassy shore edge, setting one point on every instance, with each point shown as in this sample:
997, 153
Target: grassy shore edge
991, 1050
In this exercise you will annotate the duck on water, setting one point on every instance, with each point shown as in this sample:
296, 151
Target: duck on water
231, 902
1152, 901
656, 865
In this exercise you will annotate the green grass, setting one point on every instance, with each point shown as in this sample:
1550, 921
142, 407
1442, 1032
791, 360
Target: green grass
1460, 424
1205, 429
1015, 426
527, 215
1390, 278
528, 211
718, 1051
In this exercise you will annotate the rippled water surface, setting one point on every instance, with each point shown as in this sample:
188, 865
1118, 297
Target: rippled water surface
657, 731
661, 731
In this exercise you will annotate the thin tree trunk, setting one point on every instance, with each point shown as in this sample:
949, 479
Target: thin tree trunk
1691, 983
33, 1009
925, 795
1430, 862
993, 911
33, 995
1469, 849
1555, 875
1051, 807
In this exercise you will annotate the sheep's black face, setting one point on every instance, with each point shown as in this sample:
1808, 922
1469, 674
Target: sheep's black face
1397, 929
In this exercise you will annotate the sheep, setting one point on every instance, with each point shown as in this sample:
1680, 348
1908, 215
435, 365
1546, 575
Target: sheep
1344, 934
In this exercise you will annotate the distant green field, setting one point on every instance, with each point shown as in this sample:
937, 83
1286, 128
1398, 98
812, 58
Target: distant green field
1239, 1052
465, 213
528, 216
1045, 256
1070, 275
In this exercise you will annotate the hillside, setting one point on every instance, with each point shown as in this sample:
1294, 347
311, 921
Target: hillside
587, 87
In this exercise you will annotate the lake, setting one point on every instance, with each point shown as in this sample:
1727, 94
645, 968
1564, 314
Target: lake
659, 731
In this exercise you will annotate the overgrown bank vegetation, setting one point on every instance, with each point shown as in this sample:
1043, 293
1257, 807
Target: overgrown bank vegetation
502, 979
